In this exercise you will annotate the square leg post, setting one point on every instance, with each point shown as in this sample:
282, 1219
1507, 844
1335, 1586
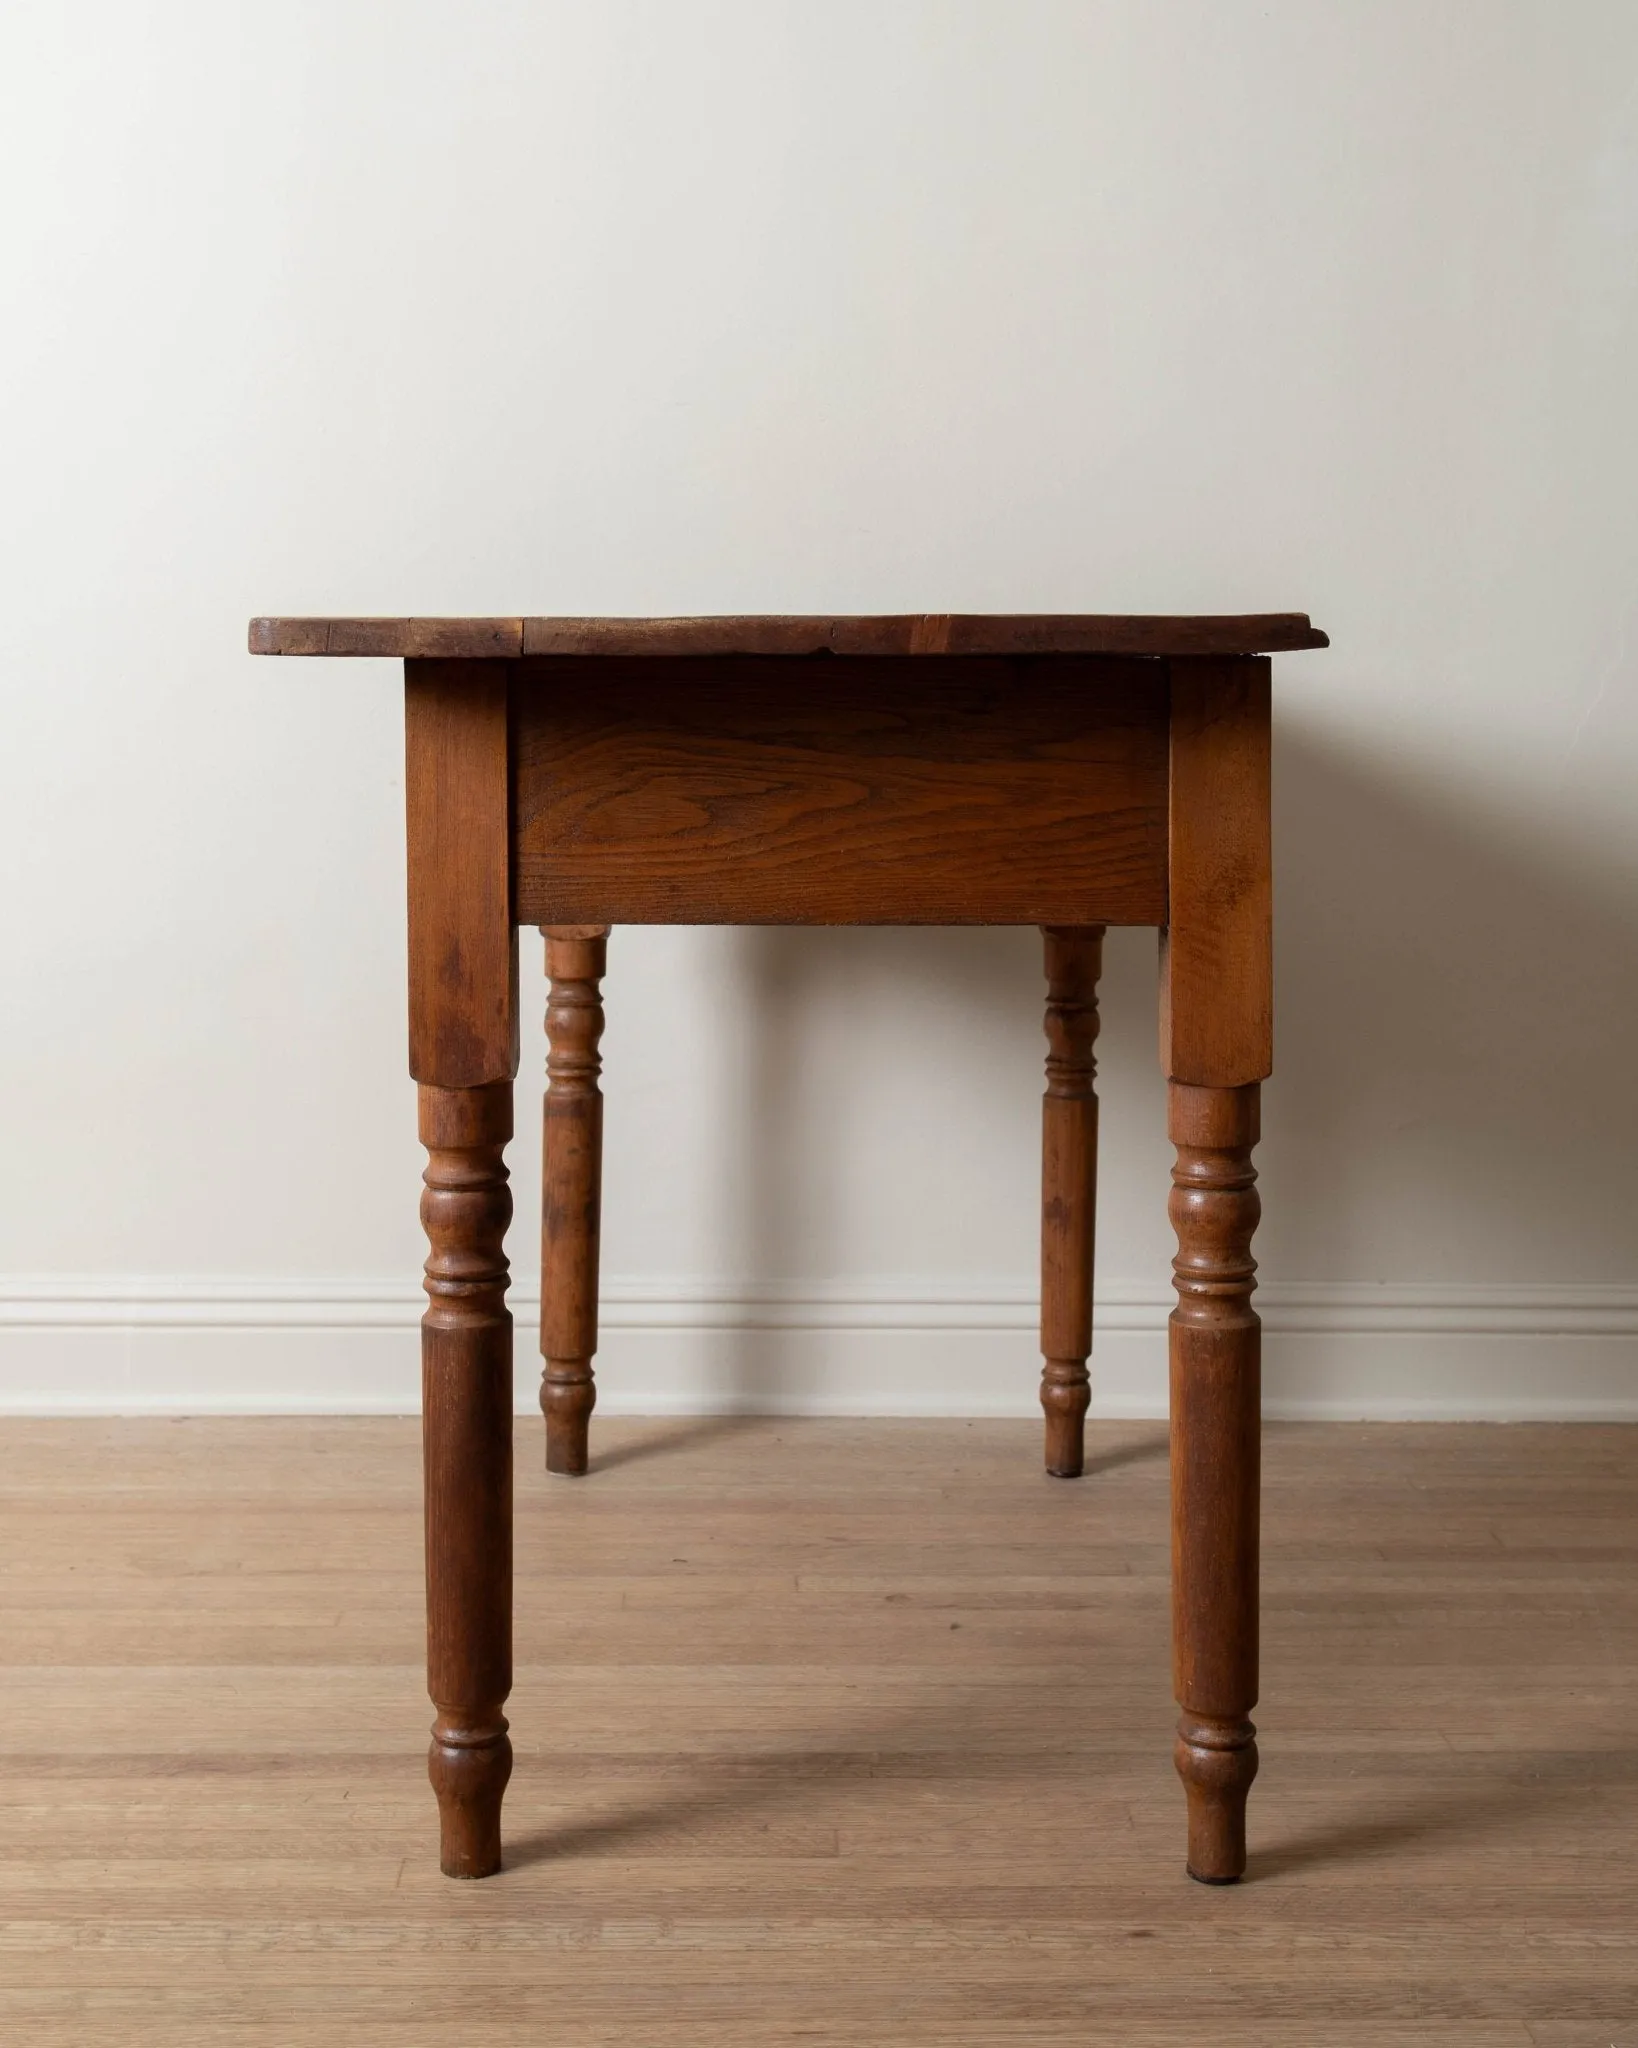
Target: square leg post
463, 1053
1216, 1040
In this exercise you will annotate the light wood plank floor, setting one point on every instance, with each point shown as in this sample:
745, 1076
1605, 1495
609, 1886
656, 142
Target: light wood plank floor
847, 1733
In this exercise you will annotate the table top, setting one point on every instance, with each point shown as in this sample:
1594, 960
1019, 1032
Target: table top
908, 633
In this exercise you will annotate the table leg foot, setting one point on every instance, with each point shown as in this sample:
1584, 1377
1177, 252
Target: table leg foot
469, 1765
1066, 1394
1069, 1187
567, 1398
1217, 1761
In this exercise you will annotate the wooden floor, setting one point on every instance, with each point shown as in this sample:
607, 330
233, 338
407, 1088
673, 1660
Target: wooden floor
848, 1733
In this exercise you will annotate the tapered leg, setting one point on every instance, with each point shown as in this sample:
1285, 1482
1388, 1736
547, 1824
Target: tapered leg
466, 1365
571, 1211
1069, 1189
1216, 1439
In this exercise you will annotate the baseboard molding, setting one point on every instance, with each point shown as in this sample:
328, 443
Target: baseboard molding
113, 1345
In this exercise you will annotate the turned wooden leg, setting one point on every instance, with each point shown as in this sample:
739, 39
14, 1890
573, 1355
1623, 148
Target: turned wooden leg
466, 1364
1216, 1391
573, 1154
1069, 1189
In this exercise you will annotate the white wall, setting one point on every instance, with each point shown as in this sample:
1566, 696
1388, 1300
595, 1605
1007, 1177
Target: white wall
916, 304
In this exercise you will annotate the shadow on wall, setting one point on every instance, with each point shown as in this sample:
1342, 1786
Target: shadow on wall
1456, 1090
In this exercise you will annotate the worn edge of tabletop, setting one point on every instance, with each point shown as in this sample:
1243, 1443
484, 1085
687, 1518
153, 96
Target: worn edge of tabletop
906, 633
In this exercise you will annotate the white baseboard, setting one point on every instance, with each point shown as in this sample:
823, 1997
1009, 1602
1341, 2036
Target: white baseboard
94, 1345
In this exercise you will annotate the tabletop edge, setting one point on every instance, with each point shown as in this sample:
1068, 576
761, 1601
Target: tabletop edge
891, 634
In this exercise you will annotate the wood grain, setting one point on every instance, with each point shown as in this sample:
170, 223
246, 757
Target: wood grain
904, 633
1217, 993
463, 1014
834, 1732
843, 791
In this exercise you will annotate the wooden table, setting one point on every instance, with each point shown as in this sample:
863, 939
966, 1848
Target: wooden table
1072, 773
